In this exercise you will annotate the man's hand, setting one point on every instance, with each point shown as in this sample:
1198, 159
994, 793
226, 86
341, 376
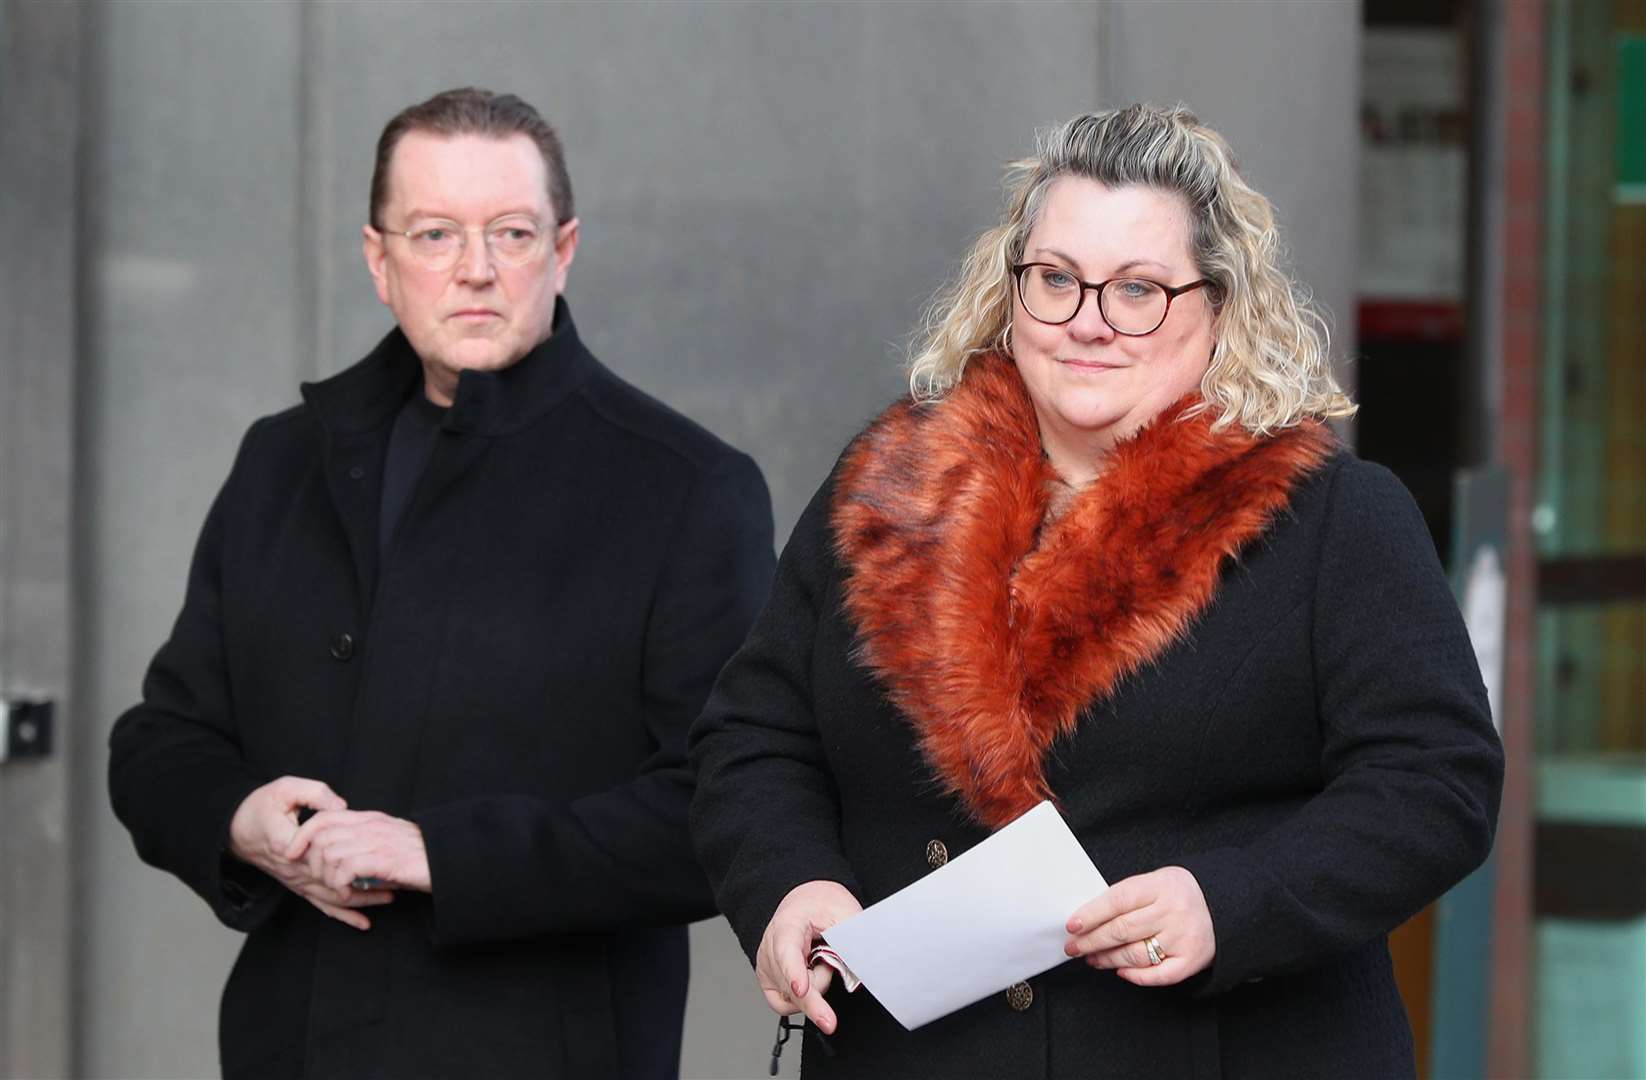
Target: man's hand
342, 846
781, 962
265, 825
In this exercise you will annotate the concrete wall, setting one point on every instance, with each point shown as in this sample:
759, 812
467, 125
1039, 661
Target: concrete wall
1281, 80
40, 54
190, 327
768, 194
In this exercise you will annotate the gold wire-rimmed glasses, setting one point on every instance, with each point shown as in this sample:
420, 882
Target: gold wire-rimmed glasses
438, 243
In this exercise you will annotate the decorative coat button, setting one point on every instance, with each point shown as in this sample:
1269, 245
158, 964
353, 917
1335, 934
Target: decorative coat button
936, 853
357, 472
342, 646
1019, 996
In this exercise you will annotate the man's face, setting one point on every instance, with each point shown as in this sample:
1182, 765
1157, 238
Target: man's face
478, 314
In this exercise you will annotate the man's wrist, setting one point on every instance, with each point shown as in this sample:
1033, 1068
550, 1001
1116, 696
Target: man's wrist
243, 884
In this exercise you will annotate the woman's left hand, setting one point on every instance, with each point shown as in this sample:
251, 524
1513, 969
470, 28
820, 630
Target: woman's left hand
1113, 930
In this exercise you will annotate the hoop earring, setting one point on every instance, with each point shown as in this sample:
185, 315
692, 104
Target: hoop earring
1006, 342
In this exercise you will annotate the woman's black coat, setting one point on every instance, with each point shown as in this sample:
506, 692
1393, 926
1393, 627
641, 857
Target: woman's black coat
517, 677
1316, 749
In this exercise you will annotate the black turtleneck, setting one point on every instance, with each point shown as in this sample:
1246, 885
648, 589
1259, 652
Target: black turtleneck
410, 443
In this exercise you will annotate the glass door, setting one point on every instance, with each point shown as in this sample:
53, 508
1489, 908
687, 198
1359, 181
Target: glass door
1590, 848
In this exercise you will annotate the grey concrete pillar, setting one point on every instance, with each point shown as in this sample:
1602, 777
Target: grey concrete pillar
1281, 80
39, 113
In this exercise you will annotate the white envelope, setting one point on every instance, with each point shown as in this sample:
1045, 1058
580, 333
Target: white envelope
989, 918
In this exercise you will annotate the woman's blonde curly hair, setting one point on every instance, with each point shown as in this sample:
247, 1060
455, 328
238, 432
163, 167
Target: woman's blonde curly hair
1270, 367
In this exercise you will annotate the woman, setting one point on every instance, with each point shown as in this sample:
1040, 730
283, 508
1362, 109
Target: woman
1108, 553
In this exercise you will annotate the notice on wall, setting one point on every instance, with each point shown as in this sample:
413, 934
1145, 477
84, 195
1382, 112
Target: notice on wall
1414, 158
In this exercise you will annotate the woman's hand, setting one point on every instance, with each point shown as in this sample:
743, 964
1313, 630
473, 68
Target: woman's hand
780, 964
1112, 931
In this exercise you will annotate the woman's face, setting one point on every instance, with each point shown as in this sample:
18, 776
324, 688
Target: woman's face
1092, 387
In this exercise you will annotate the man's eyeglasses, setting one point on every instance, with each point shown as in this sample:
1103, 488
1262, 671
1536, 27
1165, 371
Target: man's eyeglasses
1131, 306
511, 240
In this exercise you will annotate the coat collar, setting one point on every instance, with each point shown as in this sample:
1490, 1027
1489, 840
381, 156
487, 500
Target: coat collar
992, 633
365, 397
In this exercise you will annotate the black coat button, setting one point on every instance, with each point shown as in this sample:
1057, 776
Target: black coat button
342, 646
357, 472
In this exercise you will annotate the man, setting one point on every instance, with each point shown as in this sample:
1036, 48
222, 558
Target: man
419, 728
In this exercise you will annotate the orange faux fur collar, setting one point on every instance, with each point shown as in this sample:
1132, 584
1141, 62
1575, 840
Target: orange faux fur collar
991, 638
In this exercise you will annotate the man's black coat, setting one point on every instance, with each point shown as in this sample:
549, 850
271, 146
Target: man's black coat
516, 676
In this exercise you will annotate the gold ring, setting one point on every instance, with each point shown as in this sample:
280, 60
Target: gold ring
1156, 953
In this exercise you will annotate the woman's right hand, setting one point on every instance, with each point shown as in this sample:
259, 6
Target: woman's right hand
781, 963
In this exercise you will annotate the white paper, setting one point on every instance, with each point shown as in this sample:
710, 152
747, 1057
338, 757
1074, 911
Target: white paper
989, 918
